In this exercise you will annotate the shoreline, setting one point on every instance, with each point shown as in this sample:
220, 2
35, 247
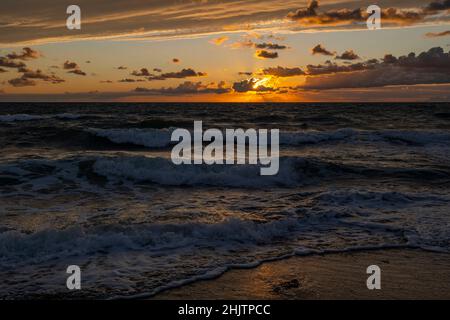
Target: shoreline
405, 274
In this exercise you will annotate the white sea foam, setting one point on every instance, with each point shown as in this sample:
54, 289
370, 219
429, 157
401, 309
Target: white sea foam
163, 171
16, 247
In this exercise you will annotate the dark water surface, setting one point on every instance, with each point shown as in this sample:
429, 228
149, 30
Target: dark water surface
93, 185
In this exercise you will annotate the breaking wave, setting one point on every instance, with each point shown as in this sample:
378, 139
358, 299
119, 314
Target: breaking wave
293, 171
152, 138
158, 138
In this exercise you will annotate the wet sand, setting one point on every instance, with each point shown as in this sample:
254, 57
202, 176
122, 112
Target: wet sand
405, 274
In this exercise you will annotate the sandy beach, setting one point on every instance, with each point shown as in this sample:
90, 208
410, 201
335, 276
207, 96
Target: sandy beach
406, 274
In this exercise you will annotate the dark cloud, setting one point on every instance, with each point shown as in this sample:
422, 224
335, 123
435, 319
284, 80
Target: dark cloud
188, 88
247, 43
437, 34
22, 82
185, 73
329, 68
310, 15
430, 67
106, 81
283, 72
309, 11
270, 46
141, 73
7, 63
38, 74
77, 72
175, 60
245, 73
2, 70
74, 68
319, 49
263, 54
438, 6
131, 80
157, 70
348, 55
70, 65
402, 16
122, 68
26, 54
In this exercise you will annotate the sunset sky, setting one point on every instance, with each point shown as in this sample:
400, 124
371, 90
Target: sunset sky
224, 50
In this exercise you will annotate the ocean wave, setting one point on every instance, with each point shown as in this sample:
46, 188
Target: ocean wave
152, 138
158, 138
31, 117
19, 117
17, 247
162, 171
293, 172
372, 199
313, 137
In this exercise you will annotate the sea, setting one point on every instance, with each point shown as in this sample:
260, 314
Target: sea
93, 185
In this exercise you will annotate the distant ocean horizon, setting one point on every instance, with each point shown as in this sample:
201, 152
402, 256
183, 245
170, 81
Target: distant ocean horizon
92, 184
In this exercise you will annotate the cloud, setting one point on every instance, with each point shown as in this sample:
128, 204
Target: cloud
263, 54
430, 67
189, 88
437, 34
38, 74
141, 73
40, 22
348, 55
185, 73
131, 80
307, 12
26, 54
77, 72
309, 16
3, 70
157, 70
319, 49
219, 41
7, 63
122, 68
247, 43
245, 73
74, 68
106, 81
176, 60
438, 6
283, 72
251, 85
329, 68
22, 82
270, 46
70, 65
